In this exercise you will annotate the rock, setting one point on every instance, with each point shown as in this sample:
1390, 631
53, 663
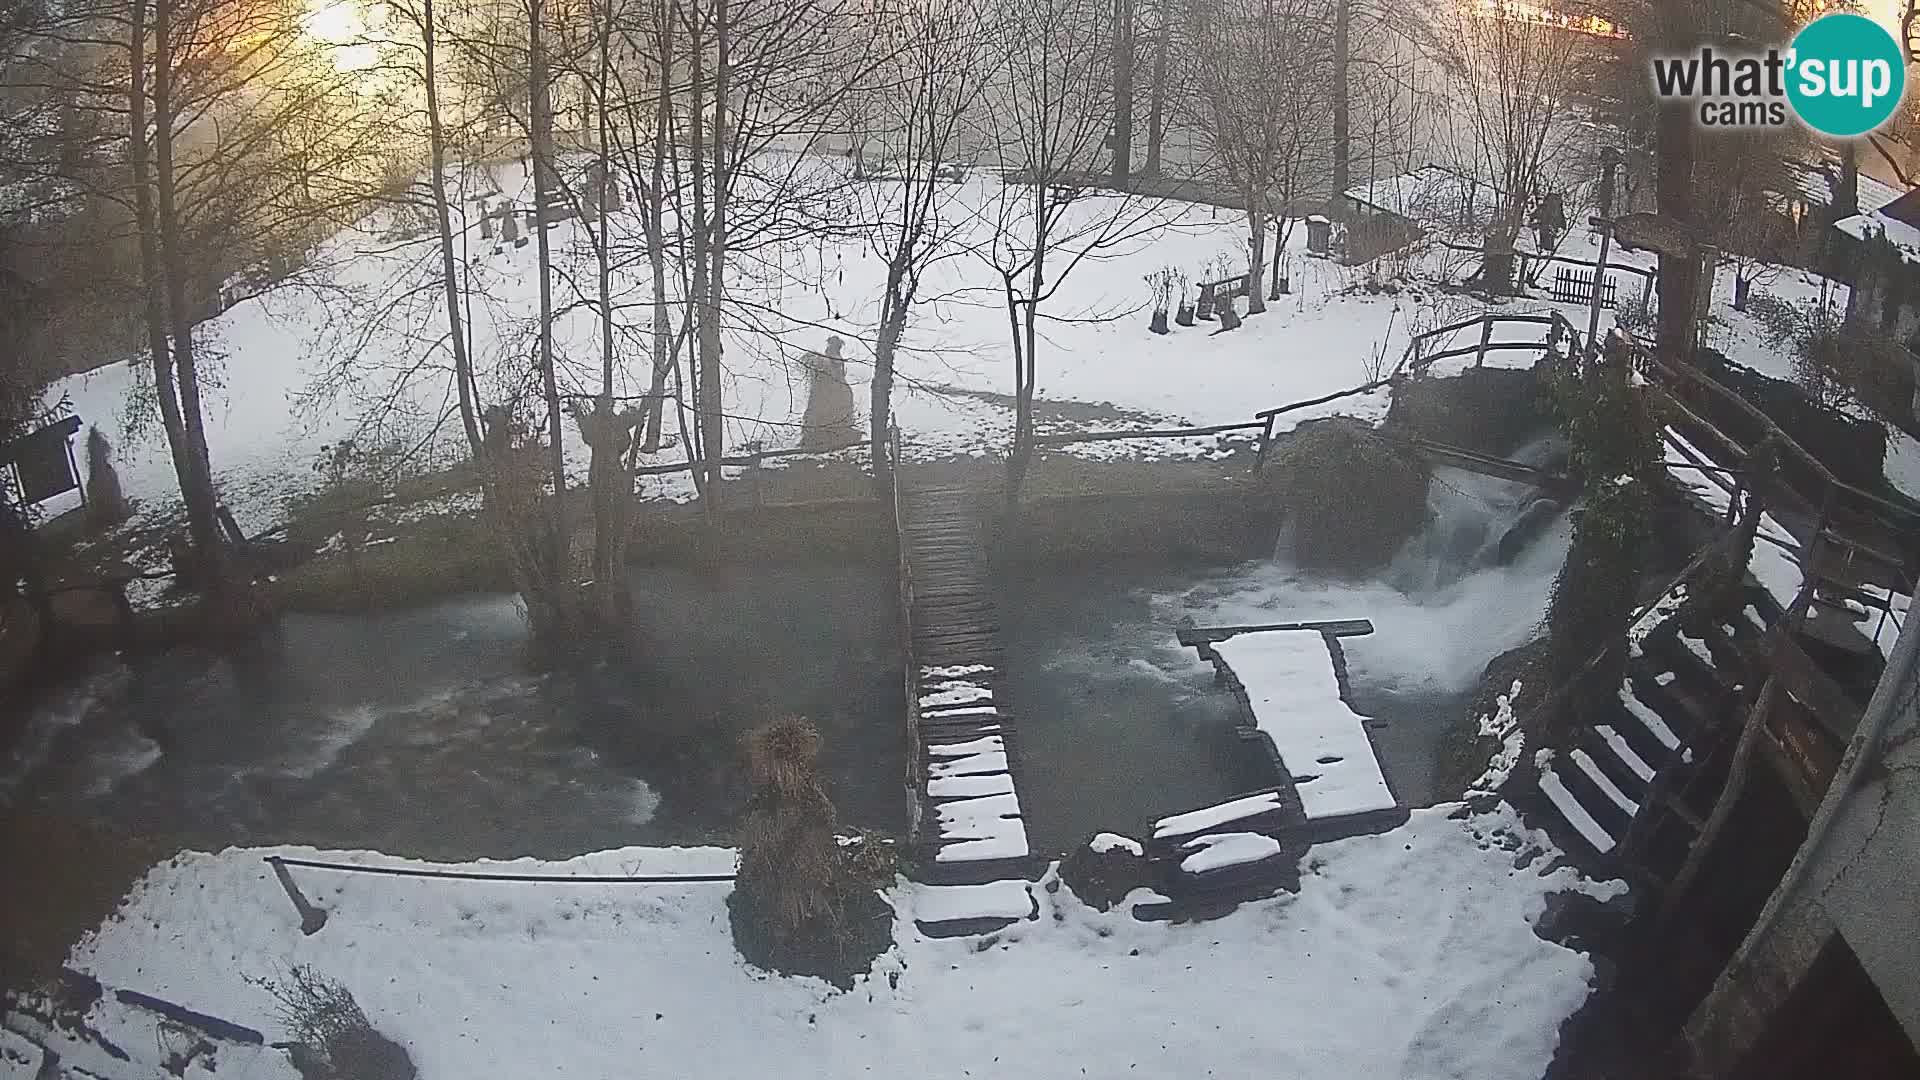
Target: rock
1579, 921
1533, 521
1104, 870
1350, 498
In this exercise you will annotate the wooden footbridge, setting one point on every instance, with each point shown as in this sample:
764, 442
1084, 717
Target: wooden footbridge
968, 827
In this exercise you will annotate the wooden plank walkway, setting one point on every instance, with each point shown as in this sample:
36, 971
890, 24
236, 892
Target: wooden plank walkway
1209, 859
968, 823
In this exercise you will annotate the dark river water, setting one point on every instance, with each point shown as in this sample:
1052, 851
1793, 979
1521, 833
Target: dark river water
425, 733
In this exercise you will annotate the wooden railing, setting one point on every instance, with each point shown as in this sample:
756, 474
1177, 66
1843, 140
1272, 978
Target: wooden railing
1831, 497
1415, 359
910, 668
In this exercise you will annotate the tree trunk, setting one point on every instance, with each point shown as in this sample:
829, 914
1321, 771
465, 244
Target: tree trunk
713, 426
541, 146
164, 389
1257, 254
610, 483
1157, 96
228, 604
700, 299
893, 324
1679, 274
1342, 100
1122, 91
443, 218
656, 234
1024, 319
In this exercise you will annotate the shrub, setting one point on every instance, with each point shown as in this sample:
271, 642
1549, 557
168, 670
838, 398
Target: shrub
1615, 450
333, 1040
802, 904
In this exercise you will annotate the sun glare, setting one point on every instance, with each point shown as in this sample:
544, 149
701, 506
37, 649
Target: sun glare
341, 25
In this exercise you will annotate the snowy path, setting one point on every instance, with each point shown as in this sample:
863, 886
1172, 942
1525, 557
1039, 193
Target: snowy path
1408, 954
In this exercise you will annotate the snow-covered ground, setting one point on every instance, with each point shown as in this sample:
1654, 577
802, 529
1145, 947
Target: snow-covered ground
364, 353
1407, 954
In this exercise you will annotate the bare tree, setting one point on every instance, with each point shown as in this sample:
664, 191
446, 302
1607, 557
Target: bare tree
1163, 31
1052, 110
1121, 30
1262, 79
1511, 83
926, 87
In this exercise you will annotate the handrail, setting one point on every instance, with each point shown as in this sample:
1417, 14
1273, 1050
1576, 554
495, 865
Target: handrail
754, 458
1068, 438
1805, 456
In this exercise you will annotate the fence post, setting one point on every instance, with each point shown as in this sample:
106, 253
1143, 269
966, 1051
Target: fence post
1486, 338
1646, 295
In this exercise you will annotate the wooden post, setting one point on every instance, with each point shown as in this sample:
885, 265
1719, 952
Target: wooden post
1599, 282
1486, 337
311, 918
1266, 441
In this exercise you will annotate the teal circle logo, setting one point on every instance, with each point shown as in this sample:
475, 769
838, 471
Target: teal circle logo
1846, 75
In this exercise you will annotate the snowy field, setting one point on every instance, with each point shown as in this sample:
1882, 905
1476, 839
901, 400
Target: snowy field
1407, 954
361, 349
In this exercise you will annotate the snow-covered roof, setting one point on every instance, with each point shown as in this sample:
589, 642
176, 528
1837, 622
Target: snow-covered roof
1902, 235
1431, 195
1290, 683
1816, 183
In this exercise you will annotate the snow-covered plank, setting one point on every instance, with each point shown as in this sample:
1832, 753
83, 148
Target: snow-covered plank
969, 787
1648, 718
954, 816
958, 692
1605, 783
988, 838
1194, 821
975, 765
993, 900
986, 744
1575, 814
1220, 850
1625, 753
1290, 683
955, 671
1663, 609
1698, 648
958, 713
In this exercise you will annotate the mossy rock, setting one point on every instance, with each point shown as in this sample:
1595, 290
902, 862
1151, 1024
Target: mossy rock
1486, 410
1102, 871
1349, 497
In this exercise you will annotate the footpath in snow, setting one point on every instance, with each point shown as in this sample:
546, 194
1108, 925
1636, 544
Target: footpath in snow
1405, 954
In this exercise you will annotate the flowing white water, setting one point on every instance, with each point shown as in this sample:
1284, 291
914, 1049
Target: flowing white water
1440, 611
